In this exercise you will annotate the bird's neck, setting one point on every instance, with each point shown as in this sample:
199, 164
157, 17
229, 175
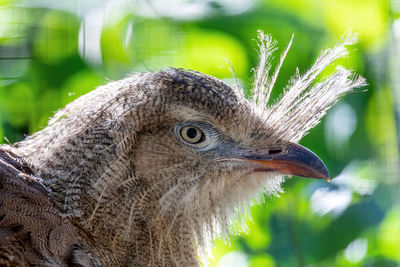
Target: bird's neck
150, 243
89, 169
84, 155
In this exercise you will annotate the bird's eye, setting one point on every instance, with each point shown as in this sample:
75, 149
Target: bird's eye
197, 135
192, 134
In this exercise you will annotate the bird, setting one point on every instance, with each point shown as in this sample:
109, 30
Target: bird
150, 169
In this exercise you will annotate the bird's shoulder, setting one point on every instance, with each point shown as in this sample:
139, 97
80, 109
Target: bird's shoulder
32, 231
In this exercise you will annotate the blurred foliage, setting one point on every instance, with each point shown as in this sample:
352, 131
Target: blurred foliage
52, 52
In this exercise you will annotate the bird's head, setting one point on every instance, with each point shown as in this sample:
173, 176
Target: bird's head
213, 149
206, 148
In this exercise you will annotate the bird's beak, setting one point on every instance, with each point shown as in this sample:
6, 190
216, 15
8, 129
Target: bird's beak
293, 160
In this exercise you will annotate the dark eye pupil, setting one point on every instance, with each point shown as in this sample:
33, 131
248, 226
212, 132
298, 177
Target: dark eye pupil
191, 133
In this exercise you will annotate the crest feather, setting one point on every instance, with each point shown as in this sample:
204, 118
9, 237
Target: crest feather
304, 102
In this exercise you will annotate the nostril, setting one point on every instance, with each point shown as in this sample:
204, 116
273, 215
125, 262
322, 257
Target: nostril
275, 151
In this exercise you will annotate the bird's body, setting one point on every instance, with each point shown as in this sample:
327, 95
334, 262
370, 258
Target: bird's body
147, 170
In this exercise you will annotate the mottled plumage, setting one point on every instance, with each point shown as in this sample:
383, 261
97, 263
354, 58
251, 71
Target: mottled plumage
134, 189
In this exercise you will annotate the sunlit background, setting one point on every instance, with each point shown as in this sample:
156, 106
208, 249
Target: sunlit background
51, 52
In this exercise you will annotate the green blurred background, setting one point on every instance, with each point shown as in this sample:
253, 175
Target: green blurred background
51, 52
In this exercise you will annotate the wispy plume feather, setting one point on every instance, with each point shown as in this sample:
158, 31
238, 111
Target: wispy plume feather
303, 103
261, 87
